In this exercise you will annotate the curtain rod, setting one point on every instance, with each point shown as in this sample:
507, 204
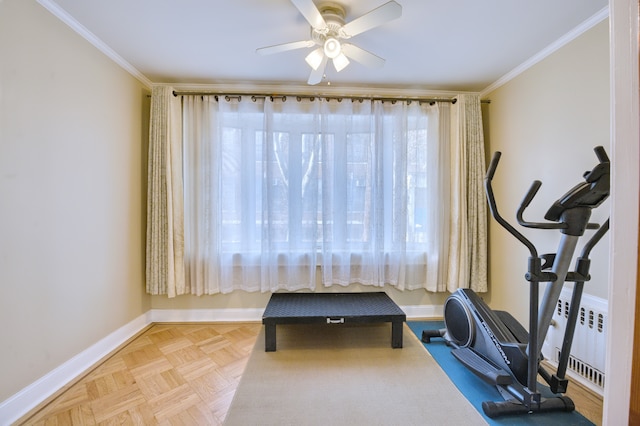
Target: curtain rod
254, 97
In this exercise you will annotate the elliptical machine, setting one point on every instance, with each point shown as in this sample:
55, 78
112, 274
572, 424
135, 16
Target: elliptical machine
493, 344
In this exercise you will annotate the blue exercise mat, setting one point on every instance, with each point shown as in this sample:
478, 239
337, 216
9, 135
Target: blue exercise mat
477, 391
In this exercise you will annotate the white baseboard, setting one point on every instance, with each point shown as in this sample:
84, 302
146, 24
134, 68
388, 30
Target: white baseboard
206, 315
255, 314
19, 404
423, 311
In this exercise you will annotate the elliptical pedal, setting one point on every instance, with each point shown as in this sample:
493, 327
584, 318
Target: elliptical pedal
483, 368
501, 408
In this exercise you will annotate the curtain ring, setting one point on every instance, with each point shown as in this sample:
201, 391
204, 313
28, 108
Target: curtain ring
284, 99
253, 98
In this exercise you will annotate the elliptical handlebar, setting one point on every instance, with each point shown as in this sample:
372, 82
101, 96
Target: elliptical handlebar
533, 190
589, 193
493, 165
601, 154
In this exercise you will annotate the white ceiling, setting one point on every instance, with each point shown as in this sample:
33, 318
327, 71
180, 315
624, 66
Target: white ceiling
453, 45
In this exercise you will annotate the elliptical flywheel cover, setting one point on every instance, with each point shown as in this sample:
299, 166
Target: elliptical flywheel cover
458, 321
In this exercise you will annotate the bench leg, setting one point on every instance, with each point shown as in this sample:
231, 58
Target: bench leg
396, 334
270, 337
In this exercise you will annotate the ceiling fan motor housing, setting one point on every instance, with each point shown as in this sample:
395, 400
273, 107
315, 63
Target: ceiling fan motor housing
333, 15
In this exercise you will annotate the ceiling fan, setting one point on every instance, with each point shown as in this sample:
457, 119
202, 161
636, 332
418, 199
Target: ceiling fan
329, 32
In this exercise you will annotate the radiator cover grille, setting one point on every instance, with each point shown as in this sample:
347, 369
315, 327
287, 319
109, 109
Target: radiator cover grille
588, 351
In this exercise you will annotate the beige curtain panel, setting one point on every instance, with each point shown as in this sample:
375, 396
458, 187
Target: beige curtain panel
165, 223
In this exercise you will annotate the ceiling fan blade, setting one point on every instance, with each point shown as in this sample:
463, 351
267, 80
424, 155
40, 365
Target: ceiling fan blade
284, 47
310, 12
316, 75
362, 56
378, 16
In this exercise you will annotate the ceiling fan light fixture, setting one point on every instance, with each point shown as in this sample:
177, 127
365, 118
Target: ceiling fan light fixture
329, 31
314, 59
340, 62
332, 47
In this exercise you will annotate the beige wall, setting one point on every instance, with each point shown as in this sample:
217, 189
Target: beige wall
546, 122
71, 195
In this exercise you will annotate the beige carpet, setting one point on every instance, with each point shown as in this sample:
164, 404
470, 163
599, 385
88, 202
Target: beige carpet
346, 375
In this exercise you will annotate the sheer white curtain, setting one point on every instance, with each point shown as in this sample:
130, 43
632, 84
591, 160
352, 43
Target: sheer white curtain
274, 189
382, 186
251, 194
440, 198
292, 194
201, 188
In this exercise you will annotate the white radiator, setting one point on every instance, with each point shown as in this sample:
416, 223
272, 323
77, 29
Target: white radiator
587, 359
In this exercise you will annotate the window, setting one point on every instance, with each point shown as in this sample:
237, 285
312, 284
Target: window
266, 195
295, 163
290, 186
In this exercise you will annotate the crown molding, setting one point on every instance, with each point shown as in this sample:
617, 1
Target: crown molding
600, 16
61, 14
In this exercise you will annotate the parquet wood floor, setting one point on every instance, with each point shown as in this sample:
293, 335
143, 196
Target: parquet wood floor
171, 374
180, 374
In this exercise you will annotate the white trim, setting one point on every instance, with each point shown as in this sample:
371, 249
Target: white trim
625, 138
206, 315
418, 312
255, 314
61, 14
547, 51
28, 398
